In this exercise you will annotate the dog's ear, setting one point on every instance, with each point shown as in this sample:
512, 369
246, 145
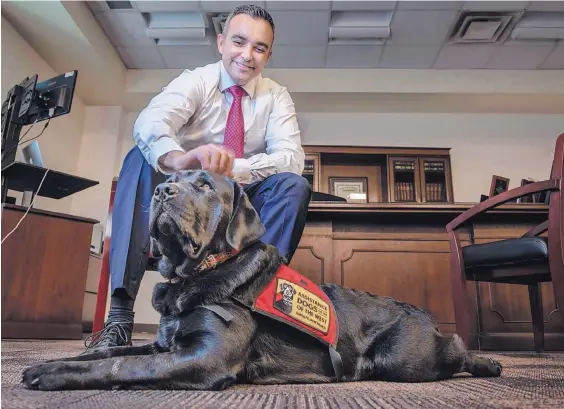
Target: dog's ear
244, 226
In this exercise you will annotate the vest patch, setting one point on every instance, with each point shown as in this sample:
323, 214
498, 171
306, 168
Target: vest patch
296, 300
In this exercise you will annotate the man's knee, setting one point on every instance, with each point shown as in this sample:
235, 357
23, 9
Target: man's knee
295, 185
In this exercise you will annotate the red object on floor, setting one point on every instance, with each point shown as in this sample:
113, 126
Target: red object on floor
104, 282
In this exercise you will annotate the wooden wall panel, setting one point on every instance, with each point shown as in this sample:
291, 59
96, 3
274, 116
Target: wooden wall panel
313, 257
411, 267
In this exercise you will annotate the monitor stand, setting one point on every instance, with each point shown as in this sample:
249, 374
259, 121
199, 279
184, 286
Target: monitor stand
23, 177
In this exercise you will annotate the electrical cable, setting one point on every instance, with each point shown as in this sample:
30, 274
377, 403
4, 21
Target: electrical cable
29, 207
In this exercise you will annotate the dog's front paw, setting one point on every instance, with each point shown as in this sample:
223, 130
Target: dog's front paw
45, 377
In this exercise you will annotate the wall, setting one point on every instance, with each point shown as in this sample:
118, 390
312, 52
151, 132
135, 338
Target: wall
97, 155
516, 146
60, 143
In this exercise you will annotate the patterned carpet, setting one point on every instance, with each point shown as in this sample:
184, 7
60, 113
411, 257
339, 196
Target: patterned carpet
528, 381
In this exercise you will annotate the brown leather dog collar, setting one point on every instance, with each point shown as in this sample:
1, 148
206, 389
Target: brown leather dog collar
212, 260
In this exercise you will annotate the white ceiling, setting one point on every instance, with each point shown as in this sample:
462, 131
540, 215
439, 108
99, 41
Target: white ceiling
420, 36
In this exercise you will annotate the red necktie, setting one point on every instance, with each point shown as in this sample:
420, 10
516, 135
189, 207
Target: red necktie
234, 136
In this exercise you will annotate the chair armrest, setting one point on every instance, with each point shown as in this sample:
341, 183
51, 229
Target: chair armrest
492, 202
535, 231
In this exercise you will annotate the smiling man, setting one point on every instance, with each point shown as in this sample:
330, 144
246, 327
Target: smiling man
225, 118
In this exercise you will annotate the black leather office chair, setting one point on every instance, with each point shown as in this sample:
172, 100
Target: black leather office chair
528, 260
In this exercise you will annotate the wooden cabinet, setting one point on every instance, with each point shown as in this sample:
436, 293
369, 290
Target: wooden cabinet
401, 250
311, 170
404, 179
44, 269
404, 175
435, 180
419, 179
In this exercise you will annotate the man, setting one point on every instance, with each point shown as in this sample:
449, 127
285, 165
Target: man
224, 118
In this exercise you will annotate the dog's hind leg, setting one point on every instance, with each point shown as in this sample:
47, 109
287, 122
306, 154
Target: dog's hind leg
454, 358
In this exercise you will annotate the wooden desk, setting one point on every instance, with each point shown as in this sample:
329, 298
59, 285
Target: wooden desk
402, 251
44, 268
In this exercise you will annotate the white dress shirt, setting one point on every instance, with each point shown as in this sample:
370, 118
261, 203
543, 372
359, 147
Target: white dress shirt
192, 110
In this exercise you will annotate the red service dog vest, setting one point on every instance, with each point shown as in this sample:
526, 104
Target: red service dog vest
296, 300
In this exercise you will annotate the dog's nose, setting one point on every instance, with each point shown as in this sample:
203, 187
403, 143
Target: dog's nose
166, 191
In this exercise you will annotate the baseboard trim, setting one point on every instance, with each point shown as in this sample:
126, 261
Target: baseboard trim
149, 328
520, 341
40, 330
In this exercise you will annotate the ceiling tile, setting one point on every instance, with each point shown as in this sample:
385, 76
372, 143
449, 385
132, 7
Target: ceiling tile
465, 56
298, 5
555, 60
409, 56
301, 27
546, 6
533, 43
524, 57
96, 6
124, 28
152, 6
421, 27
188, 57
363, 5
430, 5
495, 5
353, 56
226, 6
298, 57
141, 57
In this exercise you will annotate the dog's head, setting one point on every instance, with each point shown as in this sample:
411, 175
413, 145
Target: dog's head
196, 214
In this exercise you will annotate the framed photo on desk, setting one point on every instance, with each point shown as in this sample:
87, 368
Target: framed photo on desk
499, 185
345, 186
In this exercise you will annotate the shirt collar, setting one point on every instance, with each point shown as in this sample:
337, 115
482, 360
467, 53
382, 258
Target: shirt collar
225, 81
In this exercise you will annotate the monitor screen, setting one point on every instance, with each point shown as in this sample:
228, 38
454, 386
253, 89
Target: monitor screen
52, 97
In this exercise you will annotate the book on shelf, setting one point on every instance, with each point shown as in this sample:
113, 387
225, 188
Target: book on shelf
309, 168
404, 192
435, 192
434, 167
404, 166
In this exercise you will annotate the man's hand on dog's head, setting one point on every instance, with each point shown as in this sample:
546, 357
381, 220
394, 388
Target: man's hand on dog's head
213, 158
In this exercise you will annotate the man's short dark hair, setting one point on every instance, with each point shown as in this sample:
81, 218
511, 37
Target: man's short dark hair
251, 10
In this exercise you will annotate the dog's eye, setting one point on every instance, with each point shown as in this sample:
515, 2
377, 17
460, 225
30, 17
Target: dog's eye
205, 186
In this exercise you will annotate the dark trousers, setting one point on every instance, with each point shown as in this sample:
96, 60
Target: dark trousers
281, 200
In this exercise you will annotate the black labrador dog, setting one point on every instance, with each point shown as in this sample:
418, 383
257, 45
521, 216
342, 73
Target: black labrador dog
209, 339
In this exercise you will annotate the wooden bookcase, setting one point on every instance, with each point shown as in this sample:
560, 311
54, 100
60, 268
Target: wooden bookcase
311, 170
402, 175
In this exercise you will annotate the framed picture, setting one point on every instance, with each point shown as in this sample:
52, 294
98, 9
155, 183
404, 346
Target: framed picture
354, 189
540, 197
499, 185
531, 198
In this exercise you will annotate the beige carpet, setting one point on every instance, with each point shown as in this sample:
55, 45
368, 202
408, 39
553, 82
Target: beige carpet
528, 381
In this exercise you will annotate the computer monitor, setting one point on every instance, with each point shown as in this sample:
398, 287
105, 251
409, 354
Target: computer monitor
25, 104
52, 97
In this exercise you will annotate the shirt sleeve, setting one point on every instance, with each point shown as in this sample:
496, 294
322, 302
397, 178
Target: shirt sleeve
156, 129
284, 152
